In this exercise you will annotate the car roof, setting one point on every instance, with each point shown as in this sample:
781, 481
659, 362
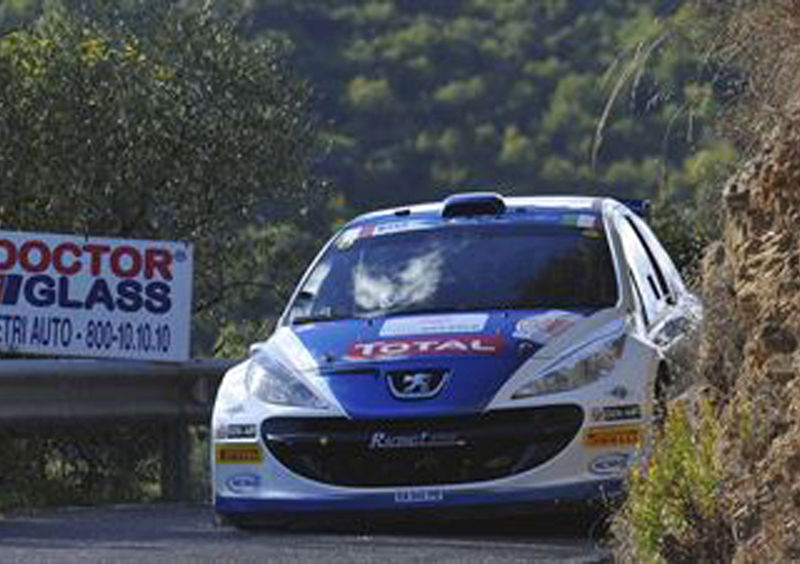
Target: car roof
586, 204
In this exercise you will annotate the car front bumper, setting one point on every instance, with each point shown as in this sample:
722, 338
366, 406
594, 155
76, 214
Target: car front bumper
461, 503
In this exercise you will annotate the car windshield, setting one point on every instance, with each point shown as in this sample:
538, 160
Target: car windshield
472, 266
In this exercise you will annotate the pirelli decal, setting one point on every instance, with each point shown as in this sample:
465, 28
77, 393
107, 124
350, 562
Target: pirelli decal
238, 454
612, 436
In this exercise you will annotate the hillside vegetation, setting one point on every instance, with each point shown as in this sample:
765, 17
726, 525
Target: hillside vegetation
416, 100
423, 98
749, 356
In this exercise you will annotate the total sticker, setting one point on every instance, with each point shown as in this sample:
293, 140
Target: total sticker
545, 326
427, 346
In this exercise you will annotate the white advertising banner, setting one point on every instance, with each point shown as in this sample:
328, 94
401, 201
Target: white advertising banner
95, 297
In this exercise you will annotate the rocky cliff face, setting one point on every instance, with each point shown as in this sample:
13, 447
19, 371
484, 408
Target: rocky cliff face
752, 287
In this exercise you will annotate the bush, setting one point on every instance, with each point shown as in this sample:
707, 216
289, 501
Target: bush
671, 513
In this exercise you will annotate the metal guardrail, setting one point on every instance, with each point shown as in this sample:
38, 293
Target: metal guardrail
46, 391
41, 392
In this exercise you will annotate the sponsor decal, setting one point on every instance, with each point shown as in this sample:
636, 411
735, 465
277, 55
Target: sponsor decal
241, 483
427, 346
387, 441
434, 324
237, 431
617, 412
350, 236
411, 384
612, 436
545, 326
614, 463
399, 227
238, 454
584, 221
418, 496
112, 298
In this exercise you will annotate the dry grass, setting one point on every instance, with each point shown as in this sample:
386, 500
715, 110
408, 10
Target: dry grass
762, 38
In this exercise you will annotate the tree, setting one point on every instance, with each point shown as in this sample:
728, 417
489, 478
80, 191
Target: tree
13, 12
169, 125
422, 99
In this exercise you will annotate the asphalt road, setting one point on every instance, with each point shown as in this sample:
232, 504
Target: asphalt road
184, 533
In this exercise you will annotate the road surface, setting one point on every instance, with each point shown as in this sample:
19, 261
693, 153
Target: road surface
173, 534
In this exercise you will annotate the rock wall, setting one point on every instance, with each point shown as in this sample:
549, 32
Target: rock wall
750, 350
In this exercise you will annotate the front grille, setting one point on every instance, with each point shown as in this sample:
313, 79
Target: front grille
399, 452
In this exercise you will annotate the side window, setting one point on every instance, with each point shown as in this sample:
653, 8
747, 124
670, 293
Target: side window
639, 298
663, 286
650, 287
661, 255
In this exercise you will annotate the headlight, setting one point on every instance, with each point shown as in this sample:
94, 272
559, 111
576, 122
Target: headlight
271, 382
583, 367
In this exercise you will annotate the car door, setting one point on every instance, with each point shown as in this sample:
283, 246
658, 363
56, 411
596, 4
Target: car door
668, 308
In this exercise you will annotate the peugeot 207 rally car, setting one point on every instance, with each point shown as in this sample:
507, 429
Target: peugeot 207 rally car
482, 352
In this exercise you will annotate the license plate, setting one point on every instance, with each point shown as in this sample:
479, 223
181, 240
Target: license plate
418, 496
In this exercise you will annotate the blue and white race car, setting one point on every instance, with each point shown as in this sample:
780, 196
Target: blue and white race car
478, 353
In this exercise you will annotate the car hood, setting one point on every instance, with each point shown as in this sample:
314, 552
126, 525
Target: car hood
478, 351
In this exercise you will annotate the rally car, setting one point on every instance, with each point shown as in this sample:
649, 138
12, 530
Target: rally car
481, 353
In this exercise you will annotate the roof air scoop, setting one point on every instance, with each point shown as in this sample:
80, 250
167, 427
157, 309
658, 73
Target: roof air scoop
473, 203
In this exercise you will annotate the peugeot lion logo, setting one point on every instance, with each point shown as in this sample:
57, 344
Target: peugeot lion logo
416, 385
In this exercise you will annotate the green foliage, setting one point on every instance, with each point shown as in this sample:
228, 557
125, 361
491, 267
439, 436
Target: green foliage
73, 465
676, 498
235, 338
369, 94
247, 310
15, 12
688, 217
435, 97
461, 92
166, 125
683, 236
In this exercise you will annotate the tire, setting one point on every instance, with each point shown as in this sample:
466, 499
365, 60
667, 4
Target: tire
241, 523
660, 396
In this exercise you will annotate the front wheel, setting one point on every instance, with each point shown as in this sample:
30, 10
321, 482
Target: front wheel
221, 520
660, 395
